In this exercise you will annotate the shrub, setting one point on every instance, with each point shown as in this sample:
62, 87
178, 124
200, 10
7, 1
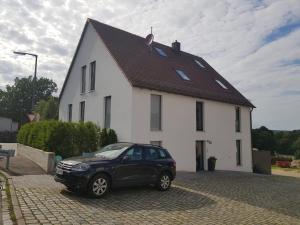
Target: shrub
297, 154
64, 138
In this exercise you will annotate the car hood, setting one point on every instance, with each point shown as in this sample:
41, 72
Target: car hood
83, 159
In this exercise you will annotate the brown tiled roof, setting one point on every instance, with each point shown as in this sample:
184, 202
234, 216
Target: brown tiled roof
147, 69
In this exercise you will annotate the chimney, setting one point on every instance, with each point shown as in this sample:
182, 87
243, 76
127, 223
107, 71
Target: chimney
176, 46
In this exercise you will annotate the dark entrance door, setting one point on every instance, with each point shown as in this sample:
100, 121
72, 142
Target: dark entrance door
199, 155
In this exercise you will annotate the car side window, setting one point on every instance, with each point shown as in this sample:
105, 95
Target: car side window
134, 154
163, 154
151, 154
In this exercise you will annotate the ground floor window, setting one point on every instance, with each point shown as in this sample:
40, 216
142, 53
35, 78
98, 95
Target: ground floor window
238, 153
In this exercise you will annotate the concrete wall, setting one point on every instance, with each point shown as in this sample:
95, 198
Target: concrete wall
110, 81
6, 124
46, 160
179, 133
262, 162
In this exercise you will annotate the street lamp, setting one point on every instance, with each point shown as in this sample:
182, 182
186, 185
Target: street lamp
34, 77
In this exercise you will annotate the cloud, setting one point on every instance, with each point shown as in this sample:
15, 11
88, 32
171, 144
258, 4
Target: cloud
254, 44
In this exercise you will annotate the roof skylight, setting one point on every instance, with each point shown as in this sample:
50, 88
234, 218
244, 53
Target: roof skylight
182, 75
221, 84
199, 63
160, 51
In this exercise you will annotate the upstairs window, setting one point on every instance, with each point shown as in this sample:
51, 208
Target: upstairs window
199, 63
199, 116
83, 79
155, 119
92, 75
160, 52
221, 84
237, 119
182, 75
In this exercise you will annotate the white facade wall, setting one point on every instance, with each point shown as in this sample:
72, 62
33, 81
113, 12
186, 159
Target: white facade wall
109, 82
179, 133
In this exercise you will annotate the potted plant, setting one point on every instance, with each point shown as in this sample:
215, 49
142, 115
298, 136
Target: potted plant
211, 163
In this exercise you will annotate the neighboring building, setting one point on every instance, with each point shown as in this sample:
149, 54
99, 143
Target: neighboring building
7, 124
159, 95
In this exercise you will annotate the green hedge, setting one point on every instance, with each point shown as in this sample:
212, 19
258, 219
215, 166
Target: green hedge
64, 138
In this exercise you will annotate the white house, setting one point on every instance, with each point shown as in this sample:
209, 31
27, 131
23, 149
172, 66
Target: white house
157, 94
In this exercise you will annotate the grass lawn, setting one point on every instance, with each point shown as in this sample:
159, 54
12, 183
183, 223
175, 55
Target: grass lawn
274, 167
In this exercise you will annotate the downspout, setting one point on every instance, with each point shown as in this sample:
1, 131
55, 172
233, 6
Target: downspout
251, 109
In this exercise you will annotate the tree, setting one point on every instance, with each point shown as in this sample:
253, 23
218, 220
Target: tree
48, 109
296, 147
15, 101
263, 139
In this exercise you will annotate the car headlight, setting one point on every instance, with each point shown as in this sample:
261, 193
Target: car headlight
81, 167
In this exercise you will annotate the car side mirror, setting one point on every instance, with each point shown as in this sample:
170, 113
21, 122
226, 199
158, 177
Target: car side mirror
125, 158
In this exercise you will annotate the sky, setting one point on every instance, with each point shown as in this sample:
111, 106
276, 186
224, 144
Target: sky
254, 44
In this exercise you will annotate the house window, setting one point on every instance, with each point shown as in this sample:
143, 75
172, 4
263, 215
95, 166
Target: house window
238, 119
238, 153
155, 120
157, 143
221, 84
182, 75
199, 63
83, 79
161, 52
107, 111
81, 112
199, 116
92, 75
70, 112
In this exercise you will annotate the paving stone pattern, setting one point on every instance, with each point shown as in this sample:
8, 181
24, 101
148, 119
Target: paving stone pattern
205, 198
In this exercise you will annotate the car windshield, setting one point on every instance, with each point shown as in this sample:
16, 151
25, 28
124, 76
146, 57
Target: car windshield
112, 151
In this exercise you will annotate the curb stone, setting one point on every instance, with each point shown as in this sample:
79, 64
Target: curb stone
16, 207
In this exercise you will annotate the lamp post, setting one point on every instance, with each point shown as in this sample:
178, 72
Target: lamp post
34, 77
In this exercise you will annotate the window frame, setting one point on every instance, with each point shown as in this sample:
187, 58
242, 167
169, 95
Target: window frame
93, 76
161, 52
83, 80
70, 112
152, 114
238, 144
81, 111
238, 119
107, 113
222, 85
199, 63
201, 127
159, 143
182, 75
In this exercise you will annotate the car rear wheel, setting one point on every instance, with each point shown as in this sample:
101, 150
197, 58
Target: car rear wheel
164, 182
99, 185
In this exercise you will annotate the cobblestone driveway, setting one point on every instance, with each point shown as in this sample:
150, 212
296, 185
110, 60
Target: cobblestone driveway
205, 198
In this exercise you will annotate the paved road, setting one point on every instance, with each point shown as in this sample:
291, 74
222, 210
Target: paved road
205, 198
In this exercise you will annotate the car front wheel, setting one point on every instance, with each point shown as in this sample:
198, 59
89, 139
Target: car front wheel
164, 182
99, 185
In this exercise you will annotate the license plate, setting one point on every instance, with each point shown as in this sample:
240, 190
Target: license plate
59, 171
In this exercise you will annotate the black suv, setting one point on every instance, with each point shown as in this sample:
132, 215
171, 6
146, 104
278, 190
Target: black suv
120, 164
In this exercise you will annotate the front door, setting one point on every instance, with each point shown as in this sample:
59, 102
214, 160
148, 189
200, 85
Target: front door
199, 155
